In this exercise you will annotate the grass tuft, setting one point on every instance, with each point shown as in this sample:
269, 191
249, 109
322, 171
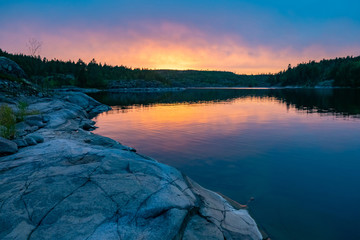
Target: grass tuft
7, 122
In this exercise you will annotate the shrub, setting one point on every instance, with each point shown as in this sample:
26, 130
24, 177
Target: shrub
7, 122
22, 110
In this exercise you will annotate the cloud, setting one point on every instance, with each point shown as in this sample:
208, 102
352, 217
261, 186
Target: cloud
165, 45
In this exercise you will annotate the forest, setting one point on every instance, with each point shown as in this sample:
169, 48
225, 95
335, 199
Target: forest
56, 73
339, 72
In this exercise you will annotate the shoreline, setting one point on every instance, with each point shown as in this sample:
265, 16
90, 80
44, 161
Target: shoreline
127, 187
179, 89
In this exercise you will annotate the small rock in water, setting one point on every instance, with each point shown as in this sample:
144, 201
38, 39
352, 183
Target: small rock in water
87, 126
30, 141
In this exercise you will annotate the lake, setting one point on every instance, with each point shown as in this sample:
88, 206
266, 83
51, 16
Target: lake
296, 151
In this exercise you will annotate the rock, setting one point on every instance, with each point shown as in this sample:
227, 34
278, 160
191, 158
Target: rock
33, 129
20, 142
92, 106
38, 124
46, 119
7, 147
95, 192
30, 141
22, 129
200, 228
87, 127
37, 137
34, 120
10, 67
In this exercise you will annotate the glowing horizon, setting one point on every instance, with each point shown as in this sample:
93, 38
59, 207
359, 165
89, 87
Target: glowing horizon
260, 40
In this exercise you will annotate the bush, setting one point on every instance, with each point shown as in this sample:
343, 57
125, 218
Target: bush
7, 122
22, 110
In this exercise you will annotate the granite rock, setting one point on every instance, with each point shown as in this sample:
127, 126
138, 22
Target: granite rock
7, 147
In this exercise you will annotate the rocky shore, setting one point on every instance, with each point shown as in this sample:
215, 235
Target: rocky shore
60, 181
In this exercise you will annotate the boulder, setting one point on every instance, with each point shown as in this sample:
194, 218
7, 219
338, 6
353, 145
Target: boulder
22, 129
10, 67
7, 147
87, 127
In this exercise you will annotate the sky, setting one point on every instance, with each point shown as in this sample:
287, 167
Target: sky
245, 37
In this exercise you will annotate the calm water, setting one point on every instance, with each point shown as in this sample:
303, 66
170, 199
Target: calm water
296, 151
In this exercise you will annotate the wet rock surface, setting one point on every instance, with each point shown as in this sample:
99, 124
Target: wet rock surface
74, 184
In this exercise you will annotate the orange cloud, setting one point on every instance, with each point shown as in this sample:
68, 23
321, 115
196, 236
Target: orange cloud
170, 46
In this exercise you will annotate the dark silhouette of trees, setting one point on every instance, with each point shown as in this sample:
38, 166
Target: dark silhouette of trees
56, 73
344, 72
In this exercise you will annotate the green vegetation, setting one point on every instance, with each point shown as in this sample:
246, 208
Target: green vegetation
195, 78
22, 110
55, 73
342, 72
8, 118
7, 122
9, 77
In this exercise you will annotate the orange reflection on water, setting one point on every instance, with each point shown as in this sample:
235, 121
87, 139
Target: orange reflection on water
183, 120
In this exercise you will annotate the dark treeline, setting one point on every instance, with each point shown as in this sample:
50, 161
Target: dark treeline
56, 73
212, 78
341, 72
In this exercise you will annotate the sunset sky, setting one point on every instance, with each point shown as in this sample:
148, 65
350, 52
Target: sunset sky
240, 36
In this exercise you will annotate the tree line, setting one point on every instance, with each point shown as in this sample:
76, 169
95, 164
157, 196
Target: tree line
339, 72
342, 72
55, 73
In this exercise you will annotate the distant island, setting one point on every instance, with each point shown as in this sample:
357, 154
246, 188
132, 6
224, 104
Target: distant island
339, 72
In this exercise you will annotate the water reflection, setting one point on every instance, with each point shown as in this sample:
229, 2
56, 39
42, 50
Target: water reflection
338, 102
296, 151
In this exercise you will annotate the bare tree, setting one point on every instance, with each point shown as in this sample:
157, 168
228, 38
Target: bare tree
34, 46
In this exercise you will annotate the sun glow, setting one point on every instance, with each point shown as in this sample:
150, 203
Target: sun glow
167, 46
